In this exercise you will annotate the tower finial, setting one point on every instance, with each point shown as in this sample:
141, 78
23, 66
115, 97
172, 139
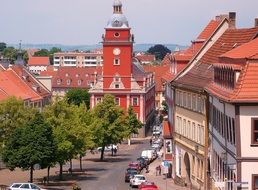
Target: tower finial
117, 5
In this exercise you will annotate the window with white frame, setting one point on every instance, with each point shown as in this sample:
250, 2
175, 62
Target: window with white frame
117, 101
184, 127
98, 100
194, 102
117, 86
135, 101
189, 101
194, 131
79, 82
68, 81
184, 99
58, 81
116, 61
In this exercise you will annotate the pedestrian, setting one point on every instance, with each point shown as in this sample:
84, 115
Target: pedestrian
147, 168
115, 150
150, 141
159, 168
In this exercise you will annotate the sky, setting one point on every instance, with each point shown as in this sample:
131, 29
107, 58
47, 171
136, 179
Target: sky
82, 22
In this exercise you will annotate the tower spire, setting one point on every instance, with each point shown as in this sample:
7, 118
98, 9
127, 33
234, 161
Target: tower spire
117, 5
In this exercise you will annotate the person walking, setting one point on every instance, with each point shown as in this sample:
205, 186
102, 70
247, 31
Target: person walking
150, 141
159, 168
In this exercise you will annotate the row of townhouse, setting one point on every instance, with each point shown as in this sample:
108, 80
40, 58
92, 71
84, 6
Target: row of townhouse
213, 111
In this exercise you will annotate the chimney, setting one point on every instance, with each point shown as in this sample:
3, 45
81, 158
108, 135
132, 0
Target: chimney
232, 19
256, 22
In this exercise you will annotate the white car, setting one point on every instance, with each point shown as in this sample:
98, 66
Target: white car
156, 132
137, 180
24, 186
107, 148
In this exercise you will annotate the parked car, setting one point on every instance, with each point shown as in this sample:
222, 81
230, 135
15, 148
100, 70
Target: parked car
135, 165
24, 186
130, 173
156, 132
137, 180
147, 186
150, 154
107, 148
143, 162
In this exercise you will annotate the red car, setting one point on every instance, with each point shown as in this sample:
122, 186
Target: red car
148, 186
135, 165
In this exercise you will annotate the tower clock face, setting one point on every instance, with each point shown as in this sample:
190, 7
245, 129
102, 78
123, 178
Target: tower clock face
116, 51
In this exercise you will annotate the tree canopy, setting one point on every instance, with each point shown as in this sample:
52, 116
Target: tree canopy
46, 53
78, 96
30, 144
13, 114
108, 124
133, 123
2, 46
159, 50
69, 128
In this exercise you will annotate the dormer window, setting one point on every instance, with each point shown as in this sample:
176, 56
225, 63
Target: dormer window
117, 86
116, 61
224, 77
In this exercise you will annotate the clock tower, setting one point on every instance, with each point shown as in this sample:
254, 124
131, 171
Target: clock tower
122, 76
117, 51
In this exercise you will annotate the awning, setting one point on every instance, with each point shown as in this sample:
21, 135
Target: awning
167, 132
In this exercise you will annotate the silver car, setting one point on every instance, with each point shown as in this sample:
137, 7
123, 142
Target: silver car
24, 186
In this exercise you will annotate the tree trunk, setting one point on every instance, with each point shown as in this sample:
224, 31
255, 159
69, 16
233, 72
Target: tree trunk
102, 153
71, 167
31, 174
81, 162
61, 171
129, 141
48, 171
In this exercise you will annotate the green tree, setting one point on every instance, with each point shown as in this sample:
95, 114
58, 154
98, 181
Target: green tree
13, 114
2, 46
108, 123
42, 53
68, 128
51, 54
133, 124
30, 144
165, 107
160, 51
78, 96
10, 53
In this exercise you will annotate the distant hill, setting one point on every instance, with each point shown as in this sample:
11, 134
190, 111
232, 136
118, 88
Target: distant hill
137, 47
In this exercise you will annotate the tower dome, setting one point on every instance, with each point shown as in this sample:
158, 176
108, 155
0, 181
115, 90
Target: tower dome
117, 20
117, 3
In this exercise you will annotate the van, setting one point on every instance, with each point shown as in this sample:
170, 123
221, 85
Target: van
150, 154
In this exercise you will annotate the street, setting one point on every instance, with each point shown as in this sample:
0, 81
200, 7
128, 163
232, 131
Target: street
97, 175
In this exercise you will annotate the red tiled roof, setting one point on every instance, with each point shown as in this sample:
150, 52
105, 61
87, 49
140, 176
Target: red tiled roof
246, 89
201, 74
247, 50
230, 39
38, 61
12, 85
79, 77
49, 72
145, 58
209, 29
31, 81
166, 130
159, 71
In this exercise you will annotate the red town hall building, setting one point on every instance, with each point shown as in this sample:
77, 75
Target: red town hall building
122, 75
